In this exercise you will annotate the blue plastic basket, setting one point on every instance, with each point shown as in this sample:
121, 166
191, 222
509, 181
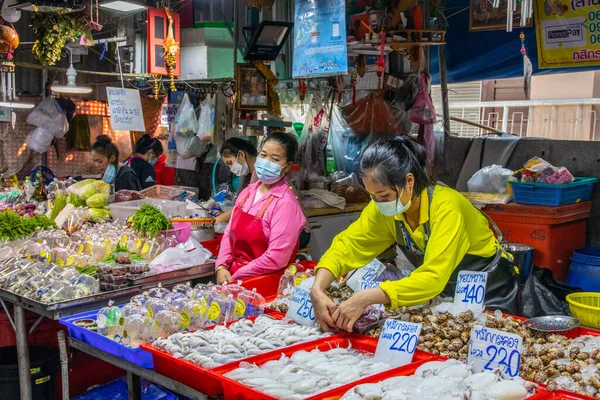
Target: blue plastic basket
137, 356
546, 194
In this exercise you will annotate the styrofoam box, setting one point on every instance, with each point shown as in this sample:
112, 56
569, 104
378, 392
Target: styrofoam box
171, 209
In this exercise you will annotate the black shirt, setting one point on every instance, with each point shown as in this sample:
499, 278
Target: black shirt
126, 179
144, 172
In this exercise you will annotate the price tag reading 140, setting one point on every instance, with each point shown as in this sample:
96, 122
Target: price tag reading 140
397, 342
470, 290
490, 349
301, 309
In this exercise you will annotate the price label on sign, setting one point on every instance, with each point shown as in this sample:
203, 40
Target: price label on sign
301, 308
470, 290
397, 342
490, 349
369, 272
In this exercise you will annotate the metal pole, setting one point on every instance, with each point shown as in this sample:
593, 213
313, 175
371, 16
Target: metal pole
505, 119
236, 34
444, 89
22, 352
64, 364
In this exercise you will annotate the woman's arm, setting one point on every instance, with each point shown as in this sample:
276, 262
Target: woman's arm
224, 217
286, 222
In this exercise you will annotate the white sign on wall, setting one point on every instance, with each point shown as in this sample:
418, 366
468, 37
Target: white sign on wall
125, 109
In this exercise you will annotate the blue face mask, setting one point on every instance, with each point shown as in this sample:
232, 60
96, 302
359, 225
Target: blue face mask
110, 174
394, 207
152, 162
267, 171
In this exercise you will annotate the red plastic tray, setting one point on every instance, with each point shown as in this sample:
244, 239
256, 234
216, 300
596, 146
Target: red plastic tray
558, 395
573, 333
189, 373
267, 285
234, 390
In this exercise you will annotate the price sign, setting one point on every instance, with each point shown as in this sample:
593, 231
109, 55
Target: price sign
369, 272
301, 308
125, 109
397, 342
370, 285
490, 349
470, 290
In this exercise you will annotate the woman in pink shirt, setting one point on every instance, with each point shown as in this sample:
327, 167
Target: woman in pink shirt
262, 235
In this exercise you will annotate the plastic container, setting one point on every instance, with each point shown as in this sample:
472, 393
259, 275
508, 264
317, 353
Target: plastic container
44, 364
181, 231
213, 245
137, 356
585, 306
585, 269
122, 211
234, 390
267, 285
553, 195
554, 232
523, 258
166, 192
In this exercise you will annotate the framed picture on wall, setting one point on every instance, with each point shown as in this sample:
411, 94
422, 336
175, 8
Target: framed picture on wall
251, 87
484, 17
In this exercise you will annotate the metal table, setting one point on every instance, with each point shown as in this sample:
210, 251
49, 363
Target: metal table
88, 303
135, 372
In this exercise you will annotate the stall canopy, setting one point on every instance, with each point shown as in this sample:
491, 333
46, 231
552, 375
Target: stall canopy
482, 55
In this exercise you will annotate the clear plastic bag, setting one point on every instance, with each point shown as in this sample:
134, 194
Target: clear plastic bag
313, 141
40, 139
371, 115
205, 120
189, 146
185, 255
49, 114
422, 112
186, 123
545, 172
492, 179
350, 189
346, 145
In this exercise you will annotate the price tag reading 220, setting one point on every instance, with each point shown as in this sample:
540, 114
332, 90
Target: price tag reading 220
397, 342
470, 290
490, 349
301, 308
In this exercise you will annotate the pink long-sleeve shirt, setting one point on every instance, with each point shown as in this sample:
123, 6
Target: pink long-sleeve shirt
282, 223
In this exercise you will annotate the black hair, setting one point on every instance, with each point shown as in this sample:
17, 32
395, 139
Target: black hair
234, 145
288, 142
145, 144
106, 147
388, 161
158, 148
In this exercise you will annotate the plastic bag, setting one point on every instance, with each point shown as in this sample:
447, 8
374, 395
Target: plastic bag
422, 112
49, 114
371, 115
544, 172
185, 120
39, 139
492, 179
350, 189
313, 141
125, 195
371, 318
542, 295
346, 145
205, 120
185, 255
190, 146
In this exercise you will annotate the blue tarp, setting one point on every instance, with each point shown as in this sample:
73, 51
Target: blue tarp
476, 56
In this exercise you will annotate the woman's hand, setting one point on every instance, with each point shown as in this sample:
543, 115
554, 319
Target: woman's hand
350, 311
224, 216
223, 275
323, 308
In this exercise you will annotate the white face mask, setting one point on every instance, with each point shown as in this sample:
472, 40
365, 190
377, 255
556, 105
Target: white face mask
239, 169
394, 207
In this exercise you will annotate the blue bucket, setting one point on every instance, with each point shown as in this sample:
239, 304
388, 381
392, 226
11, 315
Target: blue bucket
585, 269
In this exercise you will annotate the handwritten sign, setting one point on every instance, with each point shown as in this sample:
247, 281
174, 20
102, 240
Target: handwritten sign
125, 109
397, 342
370, 285
470, 290
490, 349
369, 272
301, 308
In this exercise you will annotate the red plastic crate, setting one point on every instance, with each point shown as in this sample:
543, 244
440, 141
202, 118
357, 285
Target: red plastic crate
213, 245
573, 333
267, 285
189, 373
558, 395
234, 390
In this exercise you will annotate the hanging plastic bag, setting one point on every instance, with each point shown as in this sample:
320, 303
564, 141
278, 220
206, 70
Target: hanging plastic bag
314, 135
47, 114
371, 115
205, 120
347, 146
350, 188
185, 120
492, 179
190, 146
39, 140
423, 112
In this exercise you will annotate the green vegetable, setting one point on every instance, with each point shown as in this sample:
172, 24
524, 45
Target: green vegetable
98, 214
122, 249
87, 192
75, 200
149, 220
59, 204
13, 227
91, 271
102, 188
97, 201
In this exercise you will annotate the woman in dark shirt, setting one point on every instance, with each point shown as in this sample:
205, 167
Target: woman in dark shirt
105, 155
142, 160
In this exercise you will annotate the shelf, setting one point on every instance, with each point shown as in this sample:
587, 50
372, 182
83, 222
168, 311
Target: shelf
262, 123
398, 41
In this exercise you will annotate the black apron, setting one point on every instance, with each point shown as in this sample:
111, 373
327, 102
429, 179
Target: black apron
502, 280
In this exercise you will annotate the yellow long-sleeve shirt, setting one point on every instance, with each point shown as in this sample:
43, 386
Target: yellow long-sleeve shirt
457, 229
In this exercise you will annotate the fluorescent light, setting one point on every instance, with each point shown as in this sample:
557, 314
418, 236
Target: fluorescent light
123, 6
10, 104
71, 87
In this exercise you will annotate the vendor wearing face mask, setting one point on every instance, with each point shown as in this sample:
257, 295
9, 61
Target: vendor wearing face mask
143, 160
436, 227
105, 155
262, 236
239, 155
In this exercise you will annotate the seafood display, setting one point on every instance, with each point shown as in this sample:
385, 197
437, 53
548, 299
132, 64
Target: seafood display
243, 338
305, 374
444, 380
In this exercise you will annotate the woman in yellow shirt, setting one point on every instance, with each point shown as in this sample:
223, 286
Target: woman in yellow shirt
436, 227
